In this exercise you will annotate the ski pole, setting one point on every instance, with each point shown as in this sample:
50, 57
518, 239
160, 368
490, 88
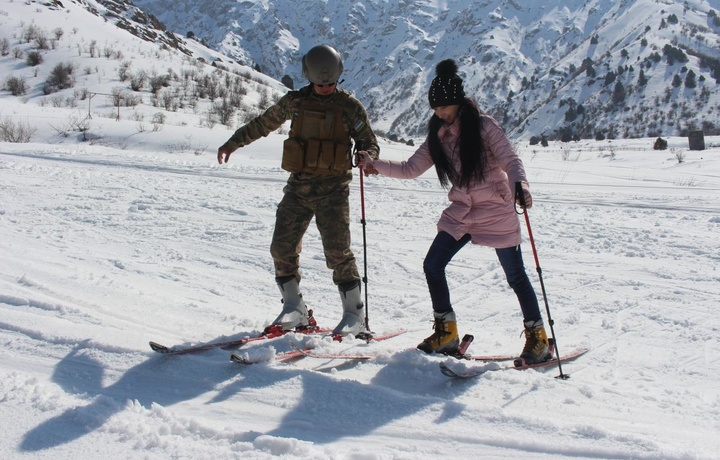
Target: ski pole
521, 198
362, 220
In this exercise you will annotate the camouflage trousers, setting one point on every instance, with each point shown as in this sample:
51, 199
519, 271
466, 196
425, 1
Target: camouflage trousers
326, 199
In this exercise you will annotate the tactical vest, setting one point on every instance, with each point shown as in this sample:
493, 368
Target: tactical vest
318, 143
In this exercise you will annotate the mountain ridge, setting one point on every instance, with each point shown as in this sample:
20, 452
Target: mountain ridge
523, 63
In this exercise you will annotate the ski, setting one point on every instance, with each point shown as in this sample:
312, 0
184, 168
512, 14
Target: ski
461, 352
380, 337
244, 358
270, 332
469, 373
297, 352
312, 353
371, 336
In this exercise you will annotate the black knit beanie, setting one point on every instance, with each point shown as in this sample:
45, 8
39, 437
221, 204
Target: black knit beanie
446, 88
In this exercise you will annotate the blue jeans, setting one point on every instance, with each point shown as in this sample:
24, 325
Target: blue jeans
444, 248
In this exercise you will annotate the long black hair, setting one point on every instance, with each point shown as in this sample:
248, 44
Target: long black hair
473, 157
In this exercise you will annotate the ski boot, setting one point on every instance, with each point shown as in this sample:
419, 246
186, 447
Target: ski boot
537, 346
294, 314
353, 319
445, 338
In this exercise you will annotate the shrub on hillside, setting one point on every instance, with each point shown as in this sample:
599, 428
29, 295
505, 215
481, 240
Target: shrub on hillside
660, 144
4, 46
33, 58
61, 77
11, 131
16, 85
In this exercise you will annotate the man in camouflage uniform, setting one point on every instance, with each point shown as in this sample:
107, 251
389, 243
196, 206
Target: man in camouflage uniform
318, 155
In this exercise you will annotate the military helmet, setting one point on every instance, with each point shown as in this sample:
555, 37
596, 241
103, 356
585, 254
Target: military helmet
322, 65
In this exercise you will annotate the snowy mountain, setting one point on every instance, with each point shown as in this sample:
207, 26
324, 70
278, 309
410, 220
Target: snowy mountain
578, 68
561, 69
108, 59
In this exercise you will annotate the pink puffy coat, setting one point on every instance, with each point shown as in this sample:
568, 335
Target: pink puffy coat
487, 210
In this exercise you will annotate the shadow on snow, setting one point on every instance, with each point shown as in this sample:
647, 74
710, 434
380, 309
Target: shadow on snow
327, 410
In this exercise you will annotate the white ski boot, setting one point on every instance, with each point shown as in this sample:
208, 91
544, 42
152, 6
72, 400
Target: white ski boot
294, 314
353, 319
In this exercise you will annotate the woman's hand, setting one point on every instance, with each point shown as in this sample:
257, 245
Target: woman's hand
365, 161
526, 196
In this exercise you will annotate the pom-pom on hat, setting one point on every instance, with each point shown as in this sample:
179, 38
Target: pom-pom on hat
446, 88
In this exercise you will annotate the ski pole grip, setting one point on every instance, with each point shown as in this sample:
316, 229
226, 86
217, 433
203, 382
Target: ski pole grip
519, 195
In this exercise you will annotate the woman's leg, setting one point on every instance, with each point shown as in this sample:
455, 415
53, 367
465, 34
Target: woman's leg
536, 342
512, 263
441, 252
445, 338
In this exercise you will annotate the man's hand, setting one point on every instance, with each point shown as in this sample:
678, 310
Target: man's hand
365, 161
224, 154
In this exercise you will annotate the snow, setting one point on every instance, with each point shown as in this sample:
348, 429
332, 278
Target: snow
104, 249
138, 234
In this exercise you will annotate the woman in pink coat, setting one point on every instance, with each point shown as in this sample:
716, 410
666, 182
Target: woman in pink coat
472, 154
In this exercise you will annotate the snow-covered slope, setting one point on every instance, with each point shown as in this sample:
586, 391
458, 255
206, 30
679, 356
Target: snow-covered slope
103, 249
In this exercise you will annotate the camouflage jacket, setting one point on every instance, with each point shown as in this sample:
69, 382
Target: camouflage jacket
355, 119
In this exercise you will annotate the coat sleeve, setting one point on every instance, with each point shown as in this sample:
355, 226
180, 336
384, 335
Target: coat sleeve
500, 147
360, 130
265, 123
413, 167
